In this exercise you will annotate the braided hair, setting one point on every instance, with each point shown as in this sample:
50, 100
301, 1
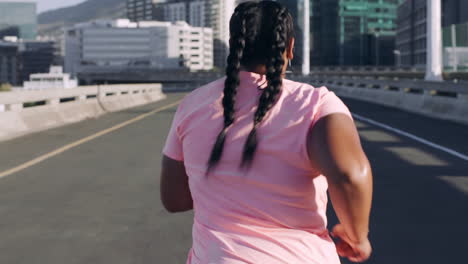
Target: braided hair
259, 35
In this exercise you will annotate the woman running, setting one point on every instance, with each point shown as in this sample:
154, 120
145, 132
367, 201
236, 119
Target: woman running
254, 155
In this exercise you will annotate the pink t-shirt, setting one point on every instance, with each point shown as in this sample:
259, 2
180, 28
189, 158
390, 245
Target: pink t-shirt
274, 212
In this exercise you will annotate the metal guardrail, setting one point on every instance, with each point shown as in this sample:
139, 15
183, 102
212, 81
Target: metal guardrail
388, 72
445, 100
366, 69
445, 89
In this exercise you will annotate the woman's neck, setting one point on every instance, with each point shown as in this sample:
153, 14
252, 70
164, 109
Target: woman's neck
259, 69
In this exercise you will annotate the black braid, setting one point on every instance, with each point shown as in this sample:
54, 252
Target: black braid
236, 51
259, 35
275, 81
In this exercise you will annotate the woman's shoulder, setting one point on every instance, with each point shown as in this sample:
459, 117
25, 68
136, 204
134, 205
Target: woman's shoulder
202, 96
319, 100
304, 90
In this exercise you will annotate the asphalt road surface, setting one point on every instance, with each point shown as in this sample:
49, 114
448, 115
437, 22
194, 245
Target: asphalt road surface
98, 201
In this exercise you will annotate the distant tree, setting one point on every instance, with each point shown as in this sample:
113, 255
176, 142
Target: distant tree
5, 87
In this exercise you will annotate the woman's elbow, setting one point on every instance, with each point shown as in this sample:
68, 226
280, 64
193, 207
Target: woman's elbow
362, 174
358, 174
173, 209
176, 207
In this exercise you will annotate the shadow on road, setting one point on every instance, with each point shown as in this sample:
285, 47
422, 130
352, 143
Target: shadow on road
418, 216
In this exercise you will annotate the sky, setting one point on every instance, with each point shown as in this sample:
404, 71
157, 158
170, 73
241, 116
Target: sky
44, 5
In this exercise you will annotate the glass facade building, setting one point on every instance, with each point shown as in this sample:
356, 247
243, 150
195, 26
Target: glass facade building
35, 57
19, 18
140, 10
367, 31
8, 62
412, 27
348, 32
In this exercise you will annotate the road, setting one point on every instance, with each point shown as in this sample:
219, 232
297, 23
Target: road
98, 201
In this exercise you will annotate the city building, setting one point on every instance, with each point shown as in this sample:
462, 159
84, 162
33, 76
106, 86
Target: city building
353, 32
175, 11
347, 32
411, 32
58, 39
8, 63
18, 18
125, 44
220, 13
202, 13
35, 56
54, 79
140, 10
198, 14
454, 12
412, 27
193, 12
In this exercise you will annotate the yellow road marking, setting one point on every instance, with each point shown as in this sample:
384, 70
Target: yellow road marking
82, 141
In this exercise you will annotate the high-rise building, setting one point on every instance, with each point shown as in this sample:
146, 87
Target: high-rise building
367, 32
347, 32
204, 13
35, 57
175, 11
18, 18
220, 13
198, 13
353, 32
194, 12
140, 10
412, 27
125, 44
454, 12
8, 62
411, 32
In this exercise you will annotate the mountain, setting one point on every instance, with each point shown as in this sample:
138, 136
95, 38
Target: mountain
51, 22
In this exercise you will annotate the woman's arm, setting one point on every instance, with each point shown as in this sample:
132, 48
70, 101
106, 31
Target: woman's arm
174, 187
335, 149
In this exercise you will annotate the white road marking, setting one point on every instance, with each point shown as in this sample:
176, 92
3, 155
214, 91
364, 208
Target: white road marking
140, 117
81, 141
411, 136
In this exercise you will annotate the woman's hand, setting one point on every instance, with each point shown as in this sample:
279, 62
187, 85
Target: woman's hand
354, 251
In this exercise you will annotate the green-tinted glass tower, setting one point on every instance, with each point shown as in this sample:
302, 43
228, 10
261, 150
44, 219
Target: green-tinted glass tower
367, 30
19, 17
348, 32
353, 32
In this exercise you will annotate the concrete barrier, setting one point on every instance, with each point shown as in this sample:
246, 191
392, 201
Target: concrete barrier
24, 112
445, 100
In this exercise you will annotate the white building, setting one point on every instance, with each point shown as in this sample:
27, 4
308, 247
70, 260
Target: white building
155, 44
455, 58
221, 12
215, 14
55, 79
